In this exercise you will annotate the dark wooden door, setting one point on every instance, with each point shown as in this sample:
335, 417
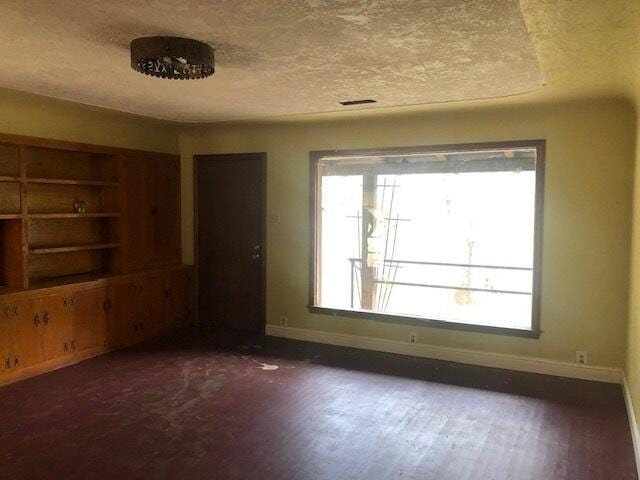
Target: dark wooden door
231, 240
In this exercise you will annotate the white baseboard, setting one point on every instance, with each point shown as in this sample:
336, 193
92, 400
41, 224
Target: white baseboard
633, 424
471, 357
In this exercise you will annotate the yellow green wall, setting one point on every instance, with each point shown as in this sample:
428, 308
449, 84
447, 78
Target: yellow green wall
632, 367
588, 204
587, 215
37, 116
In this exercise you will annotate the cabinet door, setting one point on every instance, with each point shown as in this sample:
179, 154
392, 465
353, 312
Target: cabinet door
180, 298
89, 319
56, 326
138, 245
5, 343
25, 319
122, 315
165, 210
153, 302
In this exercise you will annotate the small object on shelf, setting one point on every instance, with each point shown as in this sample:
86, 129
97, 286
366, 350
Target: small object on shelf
79, 206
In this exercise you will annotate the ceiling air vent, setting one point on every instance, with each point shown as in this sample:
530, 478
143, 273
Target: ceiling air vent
358, 102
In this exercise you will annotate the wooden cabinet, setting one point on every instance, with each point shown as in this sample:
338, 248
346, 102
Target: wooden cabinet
121, 314
152, 211
138, 252
152, 306
89, 244
166, 202
181, 299
89, 319
44, 329
25, 332
18, 339
54, 318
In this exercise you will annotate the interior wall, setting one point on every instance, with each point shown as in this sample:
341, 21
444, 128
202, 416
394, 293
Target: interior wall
632, 368
37, 116
587, 214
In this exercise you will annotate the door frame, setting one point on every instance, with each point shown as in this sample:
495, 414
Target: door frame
262, 156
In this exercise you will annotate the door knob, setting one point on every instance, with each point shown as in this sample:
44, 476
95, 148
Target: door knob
255, 256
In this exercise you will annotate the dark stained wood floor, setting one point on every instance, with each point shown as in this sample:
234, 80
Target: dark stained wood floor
200, 407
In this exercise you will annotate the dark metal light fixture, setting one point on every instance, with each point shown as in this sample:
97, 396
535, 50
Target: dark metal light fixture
172, 57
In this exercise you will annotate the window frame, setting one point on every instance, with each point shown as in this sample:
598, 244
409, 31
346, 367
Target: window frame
315, 190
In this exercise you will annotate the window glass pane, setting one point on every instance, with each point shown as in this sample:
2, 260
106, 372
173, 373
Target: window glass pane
454, 246
340, 240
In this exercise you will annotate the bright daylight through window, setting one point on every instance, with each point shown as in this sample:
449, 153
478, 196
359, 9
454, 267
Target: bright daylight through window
445, 235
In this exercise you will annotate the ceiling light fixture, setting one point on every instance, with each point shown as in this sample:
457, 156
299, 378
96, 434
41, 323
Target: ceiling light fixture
175, 58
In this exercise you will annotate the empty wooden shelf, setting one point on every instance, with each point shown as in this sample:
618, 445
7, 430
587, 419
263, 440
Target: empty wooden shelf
61, 181
74, 215
73, 248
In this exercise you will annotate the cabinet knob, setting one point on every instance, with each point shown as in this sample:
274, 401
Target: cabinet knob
66, 346
7, 362
16, 360
36, 320
45, 318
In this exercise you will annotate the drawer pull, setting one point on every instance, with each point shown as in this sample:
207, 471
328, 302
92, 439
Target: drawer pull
45, 318
16, 361
7, 362
36, 319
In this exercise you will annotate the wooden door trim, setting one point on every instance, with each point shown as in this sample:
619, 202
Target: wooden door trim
262, 157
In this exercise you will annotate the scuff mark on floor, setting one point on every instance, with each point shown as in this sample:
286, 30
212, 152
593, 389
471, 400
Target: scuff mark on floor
266, 366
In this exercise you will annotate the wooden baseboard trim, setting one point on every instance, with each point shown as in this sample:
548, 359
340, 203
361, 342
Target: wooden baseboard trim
633, 424
471, 357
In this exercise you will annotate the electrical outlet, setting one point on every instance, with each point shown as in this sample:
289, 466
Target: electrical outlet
581, 357
413, 337
283, 320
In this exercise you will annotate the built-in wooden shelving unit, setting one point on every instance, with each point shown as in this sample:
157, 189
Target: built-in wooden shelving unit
59, 214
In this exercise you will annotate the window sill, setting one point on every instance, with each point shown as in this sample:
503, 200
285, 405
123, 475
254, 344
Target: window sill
425, 322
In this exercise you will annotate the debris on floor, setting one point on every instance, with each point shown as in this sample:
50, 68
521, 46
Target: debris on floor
266, 366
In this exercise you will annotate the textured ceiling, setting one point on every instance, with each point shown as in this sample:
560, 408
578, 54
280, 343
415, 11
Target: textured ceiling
273, 57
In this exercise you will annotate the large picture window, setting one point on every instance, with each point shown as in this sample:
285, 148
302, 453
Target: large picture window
445, 235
